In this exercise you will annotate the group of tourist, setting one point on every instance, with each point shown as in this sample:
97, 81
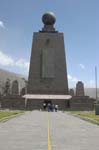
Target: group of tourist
50, 107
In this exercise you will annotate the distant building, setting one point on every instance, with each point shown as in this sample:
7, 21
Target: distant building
80, 88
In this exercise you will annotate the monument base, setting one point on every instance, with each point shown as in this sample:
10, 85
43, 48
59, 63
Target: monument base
36, 101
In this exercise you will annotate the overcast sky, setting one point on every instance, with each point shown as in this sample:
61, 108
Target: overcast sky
78, 19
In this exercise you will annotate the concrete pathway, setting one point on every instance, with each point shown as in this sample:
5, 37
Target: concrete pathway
71, 133
48, 131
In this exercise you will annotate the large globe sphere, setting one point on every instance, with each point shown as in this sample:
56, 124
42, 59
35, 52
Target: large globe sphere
49, 18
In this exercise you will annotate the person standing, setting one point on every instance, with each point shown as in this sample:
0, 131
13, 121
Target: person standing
56, 108
44, 106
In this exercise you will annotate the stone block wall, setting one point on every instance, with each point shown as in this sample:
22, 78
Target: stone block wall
76, 103
19, 103
38, 104
81, 103
13, 103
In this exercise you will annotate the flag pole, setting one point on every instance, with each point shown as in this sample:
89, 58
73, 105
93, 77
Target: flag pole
96, 82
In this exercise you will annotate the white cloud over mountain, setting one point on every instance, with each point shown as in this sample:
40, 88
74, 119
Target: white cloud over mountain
6, 60
22, 63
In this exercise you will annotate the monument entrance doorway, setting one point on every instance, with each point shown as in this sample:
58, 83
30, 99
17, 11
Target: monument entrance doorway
47, 102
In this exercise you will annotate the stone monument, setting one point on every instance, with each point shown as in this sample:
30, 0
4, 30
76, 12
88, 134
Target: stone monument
23, 91
71, 92
48, 70
79, 89
80, 101
7, 87
15, 88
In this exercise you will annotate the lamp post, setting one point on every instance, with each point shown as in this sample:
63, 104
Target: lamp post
97, 102
96, 82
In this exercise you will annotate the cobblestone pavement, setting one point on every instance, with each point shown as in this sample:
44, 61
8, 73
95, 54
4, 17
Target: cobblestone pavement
30, 132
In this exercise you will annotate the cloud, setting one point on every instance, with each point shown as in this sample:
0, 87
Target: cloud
72, 79
91, 83
22, 64
2, 24
81, 66
6, 60
69, 77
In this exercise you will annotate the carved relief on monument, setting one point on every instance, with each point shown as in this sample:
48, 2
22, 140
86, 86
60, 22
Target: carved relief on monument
48, 63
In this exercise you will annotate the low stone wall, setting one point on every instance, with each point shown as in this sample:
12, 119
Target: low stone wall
81, 103
38, 104
17, 102
12, 102
34, 104
61, 103
76, 103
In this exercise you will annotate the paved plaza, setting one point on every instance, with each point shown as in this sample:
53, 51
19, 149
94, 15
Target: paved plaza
30, 132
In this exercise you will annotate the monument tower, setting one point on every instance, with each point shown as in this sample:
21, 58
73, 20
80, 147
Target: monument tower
48, 70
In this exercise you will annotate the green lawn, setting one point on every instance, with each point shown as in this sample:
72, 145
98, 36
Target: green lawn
90, 115
4, 114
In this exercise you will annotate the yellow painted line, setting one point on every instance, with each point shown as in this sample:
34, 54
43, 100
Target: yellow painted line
49, 136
